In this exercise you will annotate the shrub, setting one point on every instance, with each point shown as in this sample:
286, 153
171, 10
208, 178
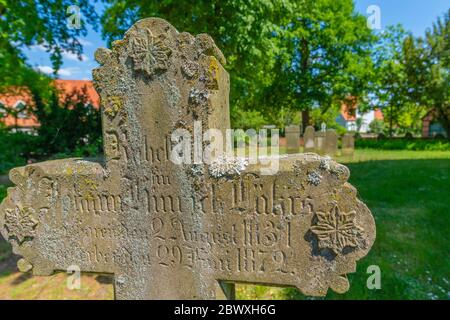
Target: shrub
2, 192
251, 119
377, 126
91, 150
67, 125
69, 128
15, 149
403, 144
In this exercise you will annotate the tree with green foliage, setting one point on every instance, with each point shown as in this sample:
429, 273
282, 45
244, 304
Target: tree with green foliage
427, 67
389, 90
281, 54
28, 23
324, 58
244, 30
65, 125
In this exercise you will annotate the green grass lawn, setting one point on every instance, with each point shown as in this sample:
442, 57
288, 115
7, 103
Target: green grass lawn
409, 195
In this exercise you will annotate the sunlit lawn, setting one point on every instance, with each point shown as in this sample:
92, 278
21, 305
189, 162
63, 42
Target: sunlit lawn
409, 195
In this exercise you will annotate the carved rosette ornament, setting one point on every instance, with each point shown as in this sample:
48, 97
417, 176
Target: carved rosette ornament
150, 54
336, 230
20, 223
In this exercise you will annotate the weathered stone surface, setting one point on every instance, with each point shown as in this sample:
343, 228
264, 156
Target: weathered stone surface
292, 139
348, 144
331, 142
308, 139
176, 231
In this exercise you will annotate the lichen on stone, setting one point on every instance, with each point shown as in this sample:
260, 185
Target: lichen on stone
197, 169
297, 167
339, 171
325, 163
227, 166
314, 178
113, 105
198, 97
212, 79
190, 68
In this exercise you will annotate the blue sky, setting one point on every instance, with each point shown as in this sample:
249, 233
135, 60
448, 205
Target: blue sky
414, 15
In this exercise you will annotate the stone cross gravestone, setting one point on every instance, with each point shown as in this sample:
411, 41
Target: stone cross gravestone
308, 139
177, 231
331, 142
348, 144
293, 139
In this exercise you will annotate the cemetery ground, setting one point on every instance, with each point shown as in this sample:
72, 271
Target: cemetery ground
408, 194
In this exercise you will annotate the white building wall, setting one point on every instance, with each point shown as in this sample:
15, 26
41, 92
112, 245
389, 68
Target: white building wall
367, 118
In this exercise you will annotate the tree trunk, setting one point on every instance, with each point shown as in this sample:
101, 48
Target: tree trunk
304, 67
305, 119
390, 122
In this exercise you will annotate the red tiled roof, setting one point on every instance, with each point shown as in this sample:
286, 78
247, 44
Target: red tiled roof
378, 114
69, 86
15, 95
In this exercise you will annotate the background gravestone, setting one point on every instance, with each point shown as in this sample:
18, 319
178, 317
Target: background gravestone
331, 142
348, 144
308, 139
182, 231
319, 142
293, 139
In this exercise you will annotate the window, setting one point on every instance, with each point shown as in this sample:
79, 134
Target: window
3, 111
351, 126
21, 109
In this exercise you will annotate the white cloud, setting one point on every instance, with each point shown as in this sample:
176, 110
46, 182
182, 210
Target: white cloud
38, 47
85, 42
66, 72
74, 56
66, 54
45, 69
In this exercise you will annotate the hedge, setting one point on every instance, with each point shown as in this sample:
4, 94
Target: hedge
404, 144
15, 149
